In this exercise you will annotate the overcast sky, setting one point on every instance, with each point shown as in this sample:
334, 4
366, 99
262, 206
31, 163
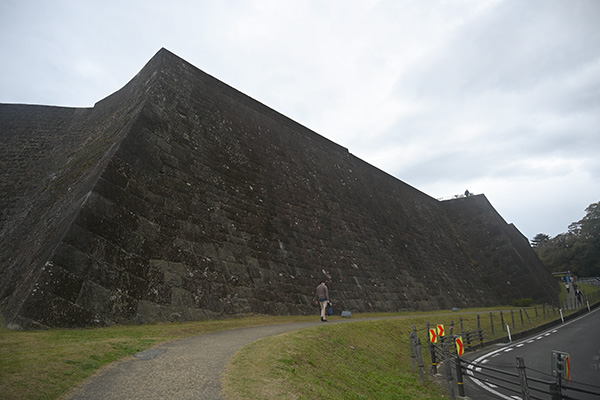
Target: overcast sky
497, 97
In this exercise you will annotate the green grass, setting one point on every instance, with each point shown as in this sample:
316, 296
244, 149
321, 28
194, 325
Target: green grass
360, 360
47, 364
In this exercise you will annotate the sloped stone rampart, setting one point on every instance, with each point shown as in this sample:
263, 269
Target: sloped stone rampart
181, 198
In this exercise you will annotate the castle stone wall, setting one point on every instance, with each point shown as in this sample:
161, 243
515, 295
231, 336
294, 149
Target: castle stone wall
195, 201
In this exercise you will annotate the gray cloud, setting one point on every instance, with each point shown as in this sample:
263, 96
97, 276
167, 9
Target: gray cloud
499, 96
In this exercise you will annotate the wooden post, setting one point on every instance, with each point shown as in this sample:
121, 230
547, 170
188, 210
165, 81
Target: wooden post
492, 321
523, 378
512, 315
459, 378
448, 369
502, 320
420, 360
544, 310
521, 312
479, 330
413, 352
432, 351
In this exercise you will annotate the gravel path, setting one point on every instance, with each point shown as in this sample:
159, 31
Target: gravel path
189, 368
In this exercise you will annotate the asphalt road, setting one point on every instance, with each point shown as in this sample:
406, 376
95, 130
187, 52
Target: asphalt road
579, 338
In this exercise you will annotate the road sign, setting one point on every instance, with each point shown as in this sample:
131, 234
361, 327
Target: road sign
561, 364
460, 346
440, 329
433, 337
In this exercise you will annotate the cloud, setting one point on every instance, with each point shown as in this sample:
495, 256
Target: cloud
500, 97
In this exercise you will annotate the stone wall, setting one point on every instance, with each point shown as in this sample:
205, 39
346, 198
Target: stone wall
180, 198
499, 250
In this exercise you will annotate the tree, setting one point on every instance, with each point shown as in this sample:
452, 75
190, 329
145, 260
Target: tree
577, 250
589, 226
538, 239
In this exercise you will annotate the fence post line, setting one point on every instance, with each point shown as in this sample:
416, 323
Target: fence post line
523, 378
544, 310
481, 337
451, 327
492, 321
467, 335
556, 389
479, 330
527, 315
521, 312
502, 320
459, 378
432, 351
448, 370
536, 314
512, 315
413, 353
462, 329
420, 360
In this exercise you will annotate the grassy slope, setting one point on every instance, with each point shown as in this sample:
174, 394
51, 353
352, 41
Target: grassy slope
363, 360
47, 364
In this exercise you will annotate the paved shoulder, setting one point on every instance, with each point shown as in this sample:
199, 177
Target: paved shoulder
185, 369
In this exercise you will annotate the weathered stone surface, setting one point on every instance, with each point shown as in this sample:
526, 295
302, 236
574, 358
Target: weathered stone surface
180, 198
499, 250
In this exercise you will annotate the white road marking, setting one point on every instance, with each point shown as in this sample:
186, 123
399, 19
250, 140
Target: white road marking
497, 352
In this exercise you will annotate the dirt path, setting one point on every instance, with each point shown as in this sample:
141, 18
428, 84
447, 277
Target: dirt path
189, 368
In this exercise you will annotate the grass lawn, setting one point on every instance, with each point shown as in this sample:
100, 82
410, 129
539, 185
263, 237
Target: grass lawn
47, 364
371, 358
362, 360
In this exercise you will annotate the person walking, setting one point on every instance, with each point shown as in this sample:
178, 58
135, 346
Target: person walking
323, 299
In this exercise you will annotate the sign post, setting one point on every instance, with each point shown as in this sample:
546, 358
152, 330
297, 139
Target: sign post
561, 368
460, 350
432, 340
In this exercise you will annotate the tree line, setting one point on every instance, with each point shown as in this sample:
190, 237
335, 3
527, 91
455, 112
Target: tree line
577, 250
